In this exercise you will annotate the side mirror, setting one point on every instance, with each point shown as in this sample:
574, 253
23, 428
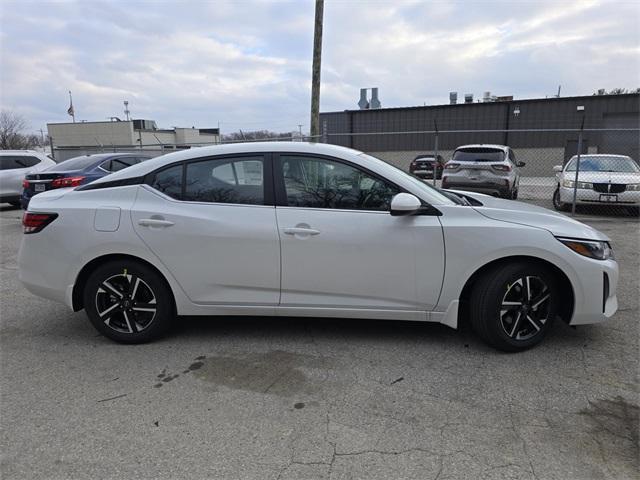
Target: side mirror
404, 204
520, 164
557, 168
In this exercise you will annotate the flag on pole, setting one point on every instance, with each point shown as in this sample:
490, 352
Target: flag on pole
70, 110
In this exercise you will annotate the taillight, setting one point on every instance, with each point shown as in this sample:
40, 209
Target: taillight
501, 168
35, 222
451, 166
67, 182
25, 183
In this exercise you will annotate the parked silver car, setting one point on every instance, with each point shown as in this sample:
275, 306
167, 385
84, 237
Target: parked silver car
490, 169
14, 165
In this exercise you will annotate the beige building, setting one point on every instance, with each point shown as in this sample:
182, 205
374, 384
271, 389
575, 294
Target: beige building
73, 139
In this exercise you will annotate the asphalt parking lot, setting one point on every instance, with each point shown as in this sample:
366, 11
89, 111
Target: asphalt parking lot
256, 398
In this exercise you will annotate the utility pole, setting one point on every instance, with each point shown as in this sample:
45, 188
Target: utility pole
315, 72
300, 129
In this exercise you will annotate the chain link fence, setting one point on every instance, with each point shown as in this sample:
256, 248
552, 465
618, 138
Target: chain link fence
604, 178
595, 170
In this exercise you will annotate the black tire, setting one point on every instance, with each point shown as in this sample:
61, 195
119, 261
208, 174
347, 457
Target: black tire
124, 312
494, 311
557, 204
514, 194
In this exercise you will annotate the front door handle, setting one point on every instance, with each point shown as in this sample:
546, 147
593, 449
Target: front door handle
301, 229
155, 222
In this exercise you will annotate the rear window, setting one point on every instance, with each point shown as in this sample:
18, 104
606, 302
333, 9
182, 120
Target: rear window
76, 163
478, 154
10, 162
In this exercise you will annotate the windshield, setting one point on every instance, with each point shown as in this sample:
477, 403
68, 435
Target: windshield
603, 164
76, 163
478, 154
432, 194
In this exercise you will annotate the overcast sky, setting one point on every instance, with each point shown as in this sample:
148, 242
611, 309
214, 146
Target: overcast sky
248, 64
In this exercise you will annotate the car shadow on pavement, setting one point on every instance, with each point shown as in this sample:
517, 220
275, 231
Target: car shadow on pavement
7, 208
364, 331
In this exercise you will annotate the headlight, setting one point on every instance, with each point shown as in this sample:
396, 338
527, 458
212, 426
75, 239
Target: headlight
589, 248
581, 185
633, 187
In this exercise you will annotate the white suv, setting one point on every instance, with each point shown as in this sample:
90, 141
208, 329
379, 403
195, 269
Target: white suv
490, 169
14, 165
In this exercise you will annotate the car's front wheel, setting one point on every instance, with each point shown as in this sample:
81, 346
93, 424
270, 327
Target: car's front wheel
557, 203
128, 302
513, 306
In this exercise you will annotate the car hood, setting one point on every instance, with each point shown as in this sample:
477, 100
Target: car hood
531, 215
604, 177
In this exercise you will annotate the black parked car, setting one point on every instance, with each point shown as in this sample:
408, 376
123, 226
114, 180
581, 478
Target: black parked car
423, 166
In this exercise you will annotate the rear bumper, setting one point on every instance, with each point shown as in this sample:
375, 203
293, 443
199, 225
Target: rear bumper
43, 273
423, 173
490, 188
591, 197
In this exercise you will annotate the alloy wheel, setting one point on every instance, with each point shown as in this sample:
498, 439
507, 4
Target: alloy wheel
525, 308
126, 303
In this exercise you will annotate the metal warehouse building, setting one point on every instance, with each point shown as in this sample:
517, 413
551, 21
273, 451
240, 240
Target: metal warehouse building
543, 132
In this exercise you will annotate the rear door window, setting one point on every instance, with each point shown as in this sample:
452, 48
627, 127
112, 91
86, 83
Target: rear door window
169, 181
122, 163
11, 162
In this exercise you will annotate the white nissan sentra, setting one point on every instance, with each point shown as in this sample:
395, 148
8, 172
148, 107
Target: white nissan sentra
299, 229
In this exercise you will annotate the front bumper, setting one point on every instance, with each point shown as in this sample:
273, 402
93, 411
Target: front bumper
591, 197
596, 301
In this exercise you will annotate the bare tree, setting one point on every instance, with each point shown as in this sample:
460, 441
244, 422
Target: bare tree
254, 135
12, 136
620, 90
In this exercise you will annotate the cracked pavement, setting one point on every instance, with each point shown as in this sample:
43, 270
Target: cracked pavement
268, 398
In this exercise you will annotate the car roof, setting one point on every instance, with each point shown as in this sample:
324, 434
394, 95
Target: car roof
230, 149
484, 145
20, 152
601, 155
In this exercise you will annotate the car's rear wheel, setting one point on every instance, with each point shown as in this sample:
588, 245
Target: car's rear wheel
557, 203
513, 306
128, 302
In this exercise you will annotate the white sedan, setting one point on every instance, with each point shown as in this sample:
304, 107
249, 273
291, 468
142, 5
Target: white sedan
602, 179
315, 230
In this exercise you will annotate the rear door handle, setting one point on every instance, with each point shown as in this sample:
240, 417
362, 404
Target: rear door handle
155, 222
301, 231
